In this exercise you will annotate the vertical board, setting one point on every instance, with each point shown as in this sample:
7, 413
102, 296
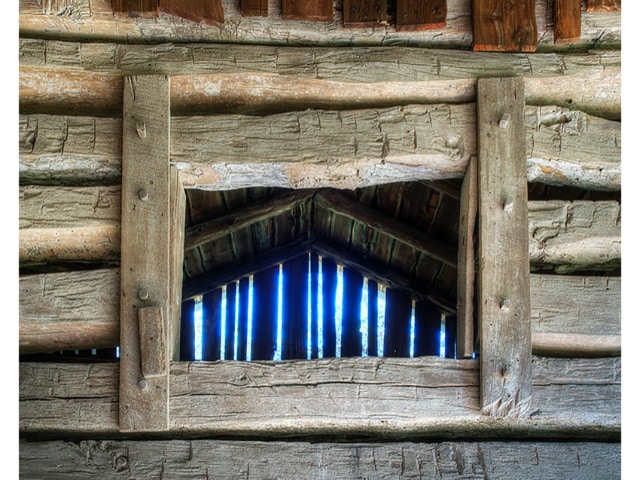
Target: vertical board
505, 25
145, 246
265, 305
397, 324
206, 11
187, 332
467, 260
229, 321
351, 340
177, 209
504, 287
294, 309
136, 6
450, 332
427, 329
211, 325
243, 318
364, 13
329, 279
314, 10
313, 308
254, 8
567, 16
421, 14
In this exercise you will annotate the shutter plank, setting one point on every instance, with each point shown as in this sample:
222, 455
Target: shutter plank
504, 25
421, 14
205, 11
364, 13
309, 10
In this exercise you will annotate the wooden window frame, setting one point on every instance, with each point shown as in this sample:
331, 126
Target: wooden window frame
368, 396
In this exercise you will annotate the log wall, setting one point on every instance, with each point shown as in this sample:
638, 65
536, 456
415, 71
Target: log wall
411, 104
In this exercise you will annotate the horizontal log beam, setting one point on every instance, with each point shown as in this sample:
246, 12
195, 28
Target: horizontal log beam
340, 204
86, 93
576, 345
286, 460
70, 310
94, 20
255, 399
243, 217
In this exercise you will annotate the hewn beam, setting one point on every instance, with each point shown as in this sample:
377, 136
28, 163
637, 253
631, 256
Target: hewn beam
69, 310
504, 26
243, 217
465, 345
340, 204
504, 291
146, 246
569, 237
382, 275
576, 345
93, 20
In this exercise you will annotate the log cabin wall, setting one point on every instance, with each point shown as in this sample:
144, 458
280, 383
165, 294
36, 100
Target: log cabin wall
367, 112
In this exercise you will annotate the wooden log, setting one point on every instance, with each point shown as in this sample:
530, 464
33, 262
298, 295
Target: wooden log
334, 201
504, 26
439, 399
567, 17
503, 287
308, 10
467, 261
208, 12
285, 460
422, 15
569, 237
576, 345
94, 20
575, 305
146, 249
69, 310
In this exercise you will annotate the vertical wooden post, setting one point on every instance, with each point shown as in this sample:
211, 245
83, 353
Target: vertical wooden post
177, 211
567, 21
145, 303
467, 260
504, 290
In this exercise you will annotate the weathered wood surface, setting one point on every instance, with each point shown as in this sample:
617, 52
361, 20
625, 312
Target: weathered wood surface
569, 304
569, 237
254, 8
604, 5
589, 82
371, 397
465, 344
146, 248
256, 460
421, 15
364, 13
94, 19
307, 10
505, 26
208, 12
69, 310
576, 345
177, 211
503, 278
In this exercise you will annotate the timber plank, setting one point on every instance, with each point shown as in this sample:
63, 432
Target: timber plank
504, 25
308, 10
177, 212
570, 237
254, 460
69, 310
364, 13
503, 287
146, 265
206, 11
426, 397
94, 20
567, 16
421, 15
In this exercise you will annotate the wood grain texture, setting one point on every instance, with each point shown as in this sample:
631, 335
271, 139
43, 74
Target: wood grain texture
135, 7
504, 26
69, 310
182, 459
145, 254
503, 287
393, 399
364, 13
604, 5
570, 237
307, 10
177, 209
421, 15
94, 20
467, 261
208, 12
567, 17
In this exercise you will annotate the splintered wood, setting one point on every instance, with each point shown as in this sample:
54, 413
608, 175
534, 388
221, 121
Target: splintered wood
504, 25
504, 291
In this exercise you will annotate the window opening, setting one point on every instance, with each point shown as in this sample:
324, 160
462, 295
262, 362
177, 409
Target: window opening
312, 307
